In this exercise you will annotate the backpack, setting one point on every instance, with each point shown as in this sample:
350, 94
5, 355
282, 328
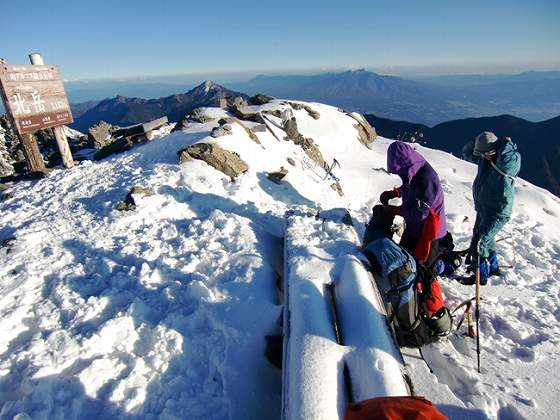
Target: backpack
393, 408
411, 292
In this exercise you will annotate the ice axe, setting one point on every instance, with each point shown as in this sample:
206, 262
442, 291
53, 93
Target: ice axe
477, 304
466, 314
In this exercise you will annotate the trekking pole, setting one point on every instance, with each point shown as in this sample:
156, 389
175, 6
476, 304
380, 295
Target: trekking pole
477, 306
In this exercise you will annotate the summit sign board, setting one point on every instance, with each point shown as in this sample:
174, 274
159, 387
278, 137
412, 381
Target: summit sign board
34, 96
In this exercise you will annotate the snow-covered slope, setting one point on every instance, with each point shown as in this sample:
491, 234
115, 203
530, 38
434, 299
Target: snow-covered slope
163, 311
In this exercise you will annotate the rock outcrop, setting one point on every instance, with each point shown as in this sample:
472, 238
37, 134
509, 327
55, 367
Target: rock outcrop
307, 144
100, 134
229, 163
128, 204
312, 113
260, 99
277, 176
222, 130
366, 133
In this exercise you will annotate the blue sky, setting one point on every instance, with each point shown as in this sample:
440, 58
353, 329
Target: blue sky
123, 38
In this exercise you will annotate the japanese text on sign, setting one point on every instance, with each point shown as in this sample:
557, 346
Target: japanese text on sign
34, 96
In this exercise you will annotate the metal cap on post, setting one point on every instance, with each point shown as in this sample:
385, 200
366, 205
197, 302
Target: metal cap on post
36, 59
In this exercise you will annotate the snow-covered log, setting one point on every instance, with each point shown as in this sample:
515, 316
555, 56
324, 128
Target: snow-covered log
320, 252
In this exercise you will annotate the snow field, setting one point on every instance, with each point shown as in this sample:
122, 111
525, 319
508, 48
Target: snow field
162, 312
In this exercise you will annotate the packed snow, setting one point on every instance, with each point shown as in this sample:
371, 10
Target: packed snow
162, 312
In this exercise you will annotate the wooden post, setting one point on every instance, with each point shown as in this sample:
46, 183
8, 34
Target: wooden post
32, 153
61, 140
33, 158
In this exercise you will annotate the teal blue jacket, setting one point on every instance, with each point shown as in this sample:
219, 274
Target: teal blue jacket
492, 190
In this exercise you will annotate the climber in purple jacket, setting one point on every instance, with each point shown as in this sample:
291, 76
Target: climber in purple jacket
422, 201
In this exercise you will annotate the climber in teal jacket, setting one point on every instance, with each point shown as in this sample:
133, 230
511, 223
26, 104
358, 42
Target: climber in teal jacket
498, 164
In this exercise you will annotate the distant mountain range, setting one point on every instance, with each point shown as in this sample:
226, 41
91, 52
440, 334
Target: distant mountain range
398, 101
124, 111
539, 143
430, 101
534, 96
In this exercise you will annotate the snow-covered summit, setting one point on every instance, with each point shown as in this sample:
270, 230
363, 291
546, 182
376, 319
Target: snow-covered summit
162, 311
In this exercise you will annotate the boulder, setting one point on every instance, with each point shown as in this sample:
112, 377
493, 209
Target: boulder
224, 130
100, 135
366, 133
291, 161
277, 176
246, 115
239, 101
128, 204
220, 159
197, 115
338, 188
260, 99
117, 146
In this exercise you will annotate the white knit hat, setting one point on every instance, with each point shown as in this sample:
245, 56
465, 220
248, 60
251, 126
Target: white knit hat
485, 143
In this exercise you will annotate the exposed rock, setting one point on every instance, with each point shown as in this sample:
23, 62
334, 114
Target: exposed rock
259, 128
312, 113
117, 146
277, 176
310, 148
128, 203
8, 244
198, 115
233, 120
260, 99
291, 129
338, 188
246, 115
100, 135
220, 159
291, 161
366, 133
278, 113
4, 193
227, 120
224, 130
239, 101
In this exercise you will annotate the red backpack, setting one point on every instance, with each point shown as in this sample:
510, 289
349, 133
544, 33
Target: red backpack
393, 408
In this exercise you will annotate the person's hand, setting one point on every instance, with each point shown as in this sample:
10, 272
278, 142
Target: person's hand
386, 196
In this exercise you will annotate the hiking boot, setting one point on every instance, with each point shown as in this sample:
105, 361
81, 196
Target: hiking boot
494, 266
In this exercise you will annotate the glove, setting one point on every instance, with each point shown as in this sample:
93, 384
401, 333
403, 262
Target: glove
388, 195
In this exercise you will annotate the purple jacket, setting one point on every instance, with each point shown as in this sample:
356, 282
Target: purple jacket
421, 188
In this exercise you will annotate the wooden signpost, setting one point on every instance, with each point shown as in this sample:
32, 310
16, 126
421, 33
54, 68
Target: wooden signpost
34, 98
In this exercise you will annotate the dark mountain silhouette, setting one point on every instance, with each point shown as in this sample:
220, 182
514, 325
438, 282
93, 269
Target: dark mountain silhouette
539, 143
533, 95
124, 111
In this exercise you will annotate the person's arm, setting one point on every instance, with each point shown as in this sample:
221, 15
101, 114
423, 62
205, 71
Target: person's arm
427, 192
510, 163
468, 152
